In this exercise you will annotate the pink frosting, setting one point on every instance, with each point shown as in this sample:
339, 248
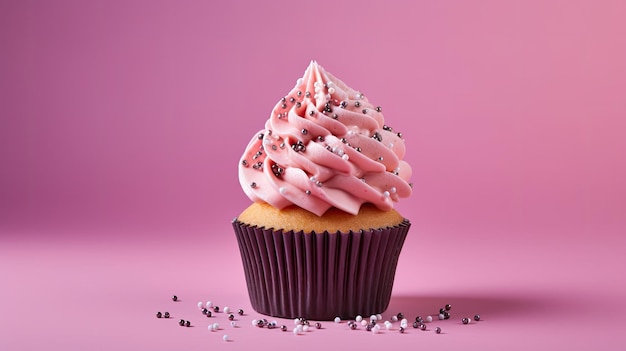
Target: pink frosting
325, 145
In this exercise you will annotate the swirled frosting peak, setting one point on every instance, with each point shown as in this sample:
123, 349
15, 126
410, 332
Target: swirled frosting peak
325, 145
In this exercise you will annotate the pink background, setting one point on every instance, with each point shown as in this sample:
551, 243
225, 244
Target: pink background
122, 122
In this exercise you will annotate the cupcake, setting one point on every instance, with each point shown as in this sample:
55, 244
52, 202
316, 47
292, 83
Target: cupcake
322, 238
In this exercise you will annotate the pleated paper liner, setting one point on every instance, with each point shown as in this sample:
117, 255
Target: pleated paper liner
320, 276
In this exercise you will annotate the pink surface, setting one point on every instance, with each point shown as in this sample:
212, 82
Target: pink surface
121, 124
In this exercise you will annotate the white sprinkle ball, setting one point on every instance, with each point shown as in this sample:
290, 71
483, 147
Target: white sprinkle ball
393, 190
337, 319
429, 319
225, 337
386, 194
363, 322
331, 90
210, 327
233, 324
373, 317
394, 318
209, 304
404, 323
216, 326
379, 317
254, 322
200, 305
345, 157
305, 328
296, 321
358, 319
441, 317
388, 325
227, 310
296, 331
376, 329
282, 190
299, 327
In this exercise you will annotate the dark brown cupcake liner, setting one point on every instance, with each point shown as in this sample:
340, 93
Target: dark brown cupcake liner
320, 276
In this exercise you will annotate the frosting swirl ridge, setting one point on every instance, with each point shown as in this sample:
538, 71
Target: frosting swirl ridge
325, 145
